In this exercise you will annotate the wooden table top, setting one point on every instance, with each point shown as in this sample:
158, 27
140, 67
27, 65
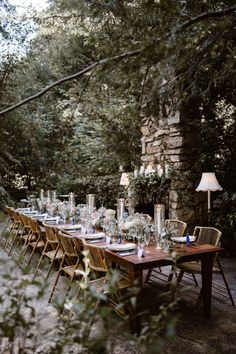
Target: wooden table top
157, 257
154, 257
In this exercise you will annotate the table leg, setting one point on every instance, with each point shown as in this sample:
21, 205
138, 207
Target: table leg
207, 267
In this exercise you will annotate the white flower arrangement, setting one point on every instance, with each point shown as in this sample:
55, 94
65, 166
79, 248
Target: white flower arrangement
137, 222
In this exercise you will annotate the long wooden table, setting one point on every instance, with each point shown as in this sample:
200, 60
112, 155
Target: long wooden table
157, 258
136, 264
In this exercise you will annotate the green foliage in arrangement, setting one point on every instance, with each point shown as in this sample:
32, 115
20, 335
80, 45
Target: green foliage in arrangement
150, 189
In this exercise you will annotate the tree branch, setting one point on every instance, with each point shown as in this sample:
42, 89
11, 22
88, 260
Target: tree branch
71, 77
205, 15
184, 26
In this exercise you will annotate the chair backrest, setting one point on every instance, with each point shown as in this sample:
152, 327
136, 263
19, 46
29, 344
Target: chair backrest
16, 216
34, 226
50, 234
66, 243
96, 257
9, 212
178, 226
206, 234
25, 220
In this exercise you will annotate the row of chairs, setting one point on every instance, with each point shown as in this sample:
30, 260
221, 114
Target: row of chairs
62, 248
202, 235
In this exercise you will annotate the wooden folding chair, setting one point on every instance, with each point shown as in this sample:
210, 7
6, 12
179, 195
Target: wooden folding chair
16, 230
100, 276
212, 236
70, 262
35, 238
51, 249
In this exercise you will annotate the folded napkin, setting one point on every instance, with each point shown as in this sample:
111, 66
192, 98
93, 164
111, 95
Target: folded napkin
72, 227
96, 235
41, 216
127, 253
96, 241
52, 218
24, 209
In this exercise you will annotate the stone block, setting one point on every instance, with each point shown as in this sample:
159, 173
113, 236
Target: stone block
153, 149
147, 158
149, 138
174, 118
157, 143
145, 131
174, 196
174, 142
161, 132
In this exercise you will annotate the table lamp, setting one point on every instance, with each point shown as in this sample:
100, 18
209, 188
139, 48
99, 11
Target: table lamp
208, 184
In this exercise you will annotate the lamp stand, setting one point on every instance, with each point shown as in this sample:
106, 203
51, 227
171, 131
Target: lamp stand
208, 207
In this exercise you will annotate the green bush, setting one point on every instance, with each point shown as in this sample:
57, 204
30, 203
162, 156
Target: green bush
224, 218
106, 188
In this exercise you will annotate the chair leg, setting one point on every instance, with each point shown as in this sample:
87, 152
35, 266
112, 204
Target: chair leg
14, 242
56, 280
72, 278
170, 277
226, 283
40, 259
10, 236
148, 275
52, 262
3, 232
31, 255
195, 280
180, 276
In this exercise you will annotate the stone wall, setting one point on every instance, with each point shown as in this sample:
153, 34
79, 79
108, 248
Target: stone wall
173, 141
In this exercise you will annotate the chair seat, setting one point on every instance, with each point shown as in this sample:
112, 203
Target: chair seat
51, 254
41, 243
194, 267
29, 238
71, 270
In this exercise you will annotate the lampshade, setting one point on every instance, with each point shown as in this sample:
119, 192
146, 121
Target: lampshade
124, 180
209, 183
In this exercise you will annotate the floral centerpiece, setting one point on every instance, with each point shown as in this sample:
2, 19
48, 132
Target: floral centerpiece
66, 210
166, 237
136, 225
103, 217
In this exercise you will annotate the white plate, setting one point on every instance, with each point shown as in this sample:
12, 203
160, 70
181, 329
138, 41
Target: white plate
24, 209
43, 216
72, 227
94, 236
122, 246
52, 219
183, 239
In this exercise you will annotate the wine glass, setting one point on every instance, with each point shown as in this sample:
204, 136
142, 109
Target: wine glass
141, 243
147, 237
112, 227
